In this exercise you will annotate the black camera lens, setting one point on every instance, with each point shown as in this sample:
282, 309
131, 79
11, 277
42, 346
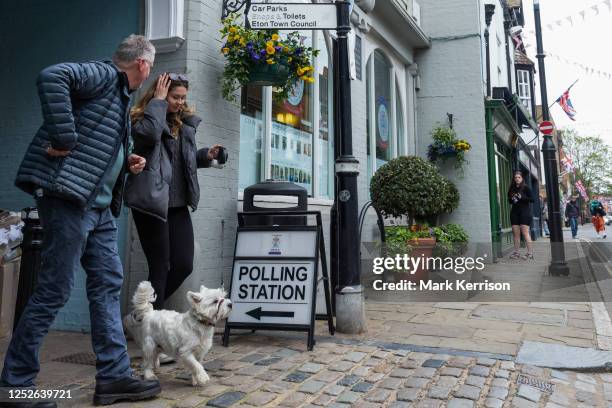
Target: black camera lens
222, 155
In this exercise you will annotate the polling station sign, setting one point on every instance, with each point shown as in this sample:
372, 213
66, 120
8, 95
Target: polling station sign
274, 276
274, 279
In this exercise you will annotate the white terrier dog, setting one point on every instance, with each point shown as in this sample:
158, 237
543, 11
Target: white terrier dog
185, 336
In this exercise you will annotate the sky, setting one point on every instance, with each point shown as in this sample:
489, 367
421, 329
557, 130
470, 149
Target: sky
583, 41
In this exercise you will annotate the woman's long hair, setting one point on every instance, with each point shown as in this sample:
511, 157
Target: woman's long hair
513, 189
175, 119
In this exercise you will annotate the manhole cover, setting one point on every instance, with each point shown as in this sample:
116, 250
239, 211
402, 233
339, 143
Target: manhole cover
78, 358
538, 383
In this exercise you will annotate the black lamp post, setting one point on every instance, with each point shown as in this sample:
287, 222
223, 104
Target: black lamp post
350, 312
558, 266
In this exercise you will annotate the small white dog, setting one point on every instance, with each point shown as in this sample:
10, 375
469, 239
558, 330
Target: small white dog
184, 336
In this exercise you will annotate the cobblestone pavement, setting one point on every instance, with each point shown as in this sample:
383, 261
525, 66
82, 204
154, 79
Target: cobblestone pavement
259, 370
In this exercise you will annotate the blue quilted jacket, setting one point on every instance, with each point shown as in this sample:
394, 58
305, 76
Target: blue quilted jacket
85, 110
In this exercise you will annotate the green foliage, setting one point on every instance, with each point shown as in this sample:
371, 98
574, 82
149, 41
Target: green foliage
444, 135
246, 50
592, 158
451, 240
410, 186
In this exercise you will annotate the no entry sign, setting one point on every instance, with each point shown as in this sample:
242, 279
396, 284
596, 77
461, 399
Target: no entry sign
292, 16
547, 127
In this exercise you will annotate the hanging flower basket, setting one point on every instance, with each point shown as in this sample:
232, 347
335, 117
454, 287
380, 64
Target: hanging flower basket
269, 75
263, 58
447, 146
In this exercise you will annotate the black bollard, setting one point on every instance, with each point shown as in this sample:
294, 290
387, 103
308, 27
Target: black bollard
33, 233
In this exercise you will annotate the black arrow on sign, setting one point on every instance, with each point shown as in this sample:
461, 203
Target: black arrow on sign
258, 313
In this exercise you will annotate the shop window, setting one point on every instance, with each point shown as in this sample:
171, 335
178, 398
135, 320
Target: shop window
325, 148
251, 136
276, 137
385, 121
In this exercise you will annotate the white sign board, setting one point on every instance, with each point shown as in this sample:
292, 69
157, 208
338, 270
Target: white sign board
292, 16
277, 292
274, 291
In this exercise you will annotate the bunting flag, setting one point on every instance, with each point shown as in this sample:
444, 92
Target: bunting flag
587, 69
591, 11
581, 189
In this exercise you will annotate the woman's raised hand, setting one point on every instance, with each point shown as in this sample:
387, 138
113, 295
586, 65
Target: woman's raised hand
163, 84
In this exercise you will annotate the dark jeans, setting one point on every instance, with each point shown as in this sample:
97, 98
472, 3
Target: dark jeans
573, 221
73, 238
168, 247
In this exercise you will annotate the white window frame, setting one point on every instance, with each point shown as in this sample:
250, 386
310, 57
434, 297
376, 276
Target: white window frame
524, 87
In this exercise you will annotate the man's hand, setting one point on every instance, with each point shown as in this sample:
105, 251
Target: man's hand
136, 163
57, 153
213, 152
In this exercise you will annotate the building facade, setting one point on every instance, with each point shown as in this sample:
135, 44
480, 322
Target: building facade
416, 64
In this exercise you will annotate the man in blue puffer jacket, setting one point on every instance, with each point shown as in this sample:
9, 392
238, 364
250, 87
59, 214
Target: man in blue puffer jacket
75, 168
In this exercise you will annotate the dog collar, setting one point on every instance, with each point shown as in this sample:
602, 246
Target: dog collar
204, 321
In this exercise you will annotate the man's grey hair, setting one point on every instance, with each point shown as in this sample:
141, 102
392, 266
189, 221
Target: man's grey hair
132, 48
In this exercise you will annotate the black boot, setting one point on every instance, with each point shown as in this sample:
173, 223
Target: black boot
129, 388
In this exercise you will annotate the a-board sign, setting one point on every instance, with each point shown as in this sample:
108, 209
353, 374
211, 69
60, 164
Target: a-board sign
275, 276
292, 16
273, 279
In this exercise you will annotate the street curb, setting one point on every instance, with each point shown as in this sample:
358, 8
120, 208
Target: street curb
404, 347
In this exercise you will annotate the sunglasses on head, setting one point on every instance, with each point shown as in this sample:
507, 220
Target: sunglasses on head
178, 77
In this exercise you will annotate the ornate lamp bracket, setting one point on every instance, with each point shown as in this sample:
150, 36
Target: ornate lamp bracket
233, 6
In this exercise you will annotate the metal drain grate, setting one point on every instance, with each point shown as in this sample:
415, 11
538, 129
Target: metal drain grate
78, 358
538, 383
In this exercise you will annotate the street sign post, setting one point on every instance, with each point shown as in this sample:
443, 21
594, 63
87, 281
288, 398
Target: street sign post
547, 127
275, 276
291, 16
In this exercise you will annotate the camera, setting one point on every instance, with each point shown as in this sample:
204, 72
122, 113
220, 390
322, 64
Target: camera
223, 155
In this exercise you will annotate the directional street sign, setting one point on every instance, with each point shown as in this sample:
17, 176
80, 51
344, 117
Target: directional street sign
547, 127
292, 16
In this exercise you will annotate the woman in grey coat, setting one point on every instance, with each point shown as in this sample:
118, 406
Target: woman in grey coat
163, 129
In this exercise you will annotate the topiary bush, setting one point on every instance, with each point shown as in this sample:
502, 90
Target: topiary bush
410, 186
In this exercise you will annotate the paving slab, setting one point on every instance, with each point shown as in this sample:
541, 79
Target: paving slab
560, 356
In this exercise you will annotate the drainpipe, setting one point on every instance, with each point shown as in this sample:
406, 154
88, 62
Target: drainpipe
508, 59
489, 11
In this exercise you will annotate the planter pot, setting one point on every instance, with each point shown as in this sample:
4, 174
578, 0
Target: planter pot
421, 247
268, 75
448, 153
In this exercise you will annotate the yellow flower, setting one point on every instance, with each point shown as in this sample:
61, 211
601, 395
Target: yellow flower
275, 37
286, 49
308, 69
300, 72
269, 44
289, 59
237, 37
233, 29
242, 42
225, 50
270, 50
270, 61
310, 80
